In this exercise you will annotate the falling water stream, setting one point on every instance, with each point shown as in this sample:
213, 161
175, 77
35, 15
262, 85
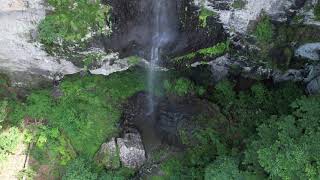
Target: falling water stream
162, 34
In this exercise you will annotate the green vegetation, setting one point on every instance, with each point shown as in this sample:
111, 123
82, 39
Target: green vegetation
239, 4
204, 14
224, 168
287, 145
133, 60
9, 137
9, 140
74, 124
215, 50
264, 30
211, 52
265, 132
222, 145
80, 169
317, 11
182, 87
71, 21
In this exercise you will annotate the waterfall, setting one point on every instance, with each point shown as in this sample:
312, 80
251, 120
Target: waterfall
164, 30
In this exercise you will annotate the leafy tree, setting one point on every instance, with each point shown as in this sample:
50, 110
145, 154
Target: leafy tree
245, 110
288, 146
224, 168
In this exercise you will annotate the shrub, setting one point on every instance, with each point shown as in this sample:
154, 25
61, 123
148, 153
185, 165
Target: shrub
9, 140
264, 30
224, 168
3, 111
80, 169
180, 87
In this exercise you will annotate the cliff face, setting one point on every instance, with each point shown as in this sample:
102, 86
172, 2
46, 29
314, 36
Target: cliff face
20, 56
293, 51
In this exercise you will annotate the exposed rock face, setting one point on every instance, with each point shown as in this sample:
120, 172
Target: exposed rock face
310, 51
239, 19
131, 150
223, 66
133, 26
24, 61
313, 87
111, 63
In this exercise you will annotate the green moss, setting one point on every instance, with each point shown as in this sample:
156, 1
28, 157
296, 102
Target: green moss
215, 50
187, 57
204, 14
239, 4
133, 60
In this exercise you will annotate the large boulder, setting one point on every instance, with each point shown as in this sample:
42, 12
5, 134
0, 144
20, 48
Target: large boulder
131, 150
127, 151
310, 51
313, 86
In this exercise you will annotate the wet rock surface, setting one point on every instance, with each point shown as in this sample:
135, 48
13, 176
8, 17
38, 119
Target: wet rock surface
172, 115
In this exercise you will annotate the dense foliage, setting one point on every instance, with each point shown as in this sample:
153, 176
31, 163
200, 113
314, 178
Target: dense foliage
267, 131
287, 146
71, 22
223, 145
73, 121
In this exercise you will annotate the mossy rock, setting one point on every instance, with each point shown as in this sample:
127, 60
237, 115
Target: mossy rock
108, 155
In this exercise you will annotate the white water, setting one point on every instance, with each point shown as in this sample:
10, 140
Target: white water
163, 33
